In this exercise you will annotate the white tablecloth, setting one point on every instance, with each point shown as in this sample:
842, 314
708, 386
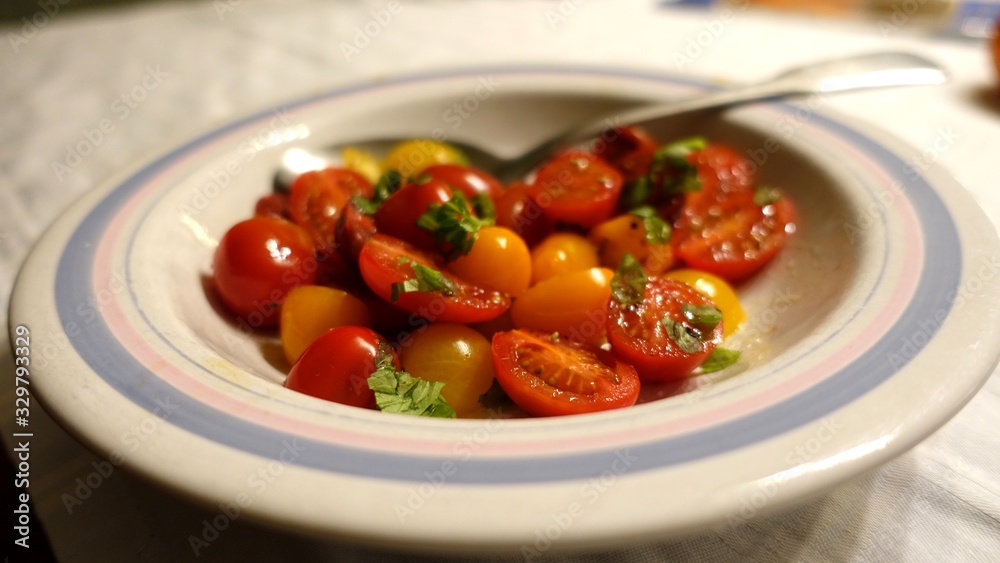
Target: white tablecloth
159, 72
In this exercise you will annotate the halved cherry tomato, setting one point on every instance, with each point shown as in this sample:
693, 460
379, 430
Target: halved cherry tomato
257, 262
737, 243
723, 172
499, 260
573, 304
640, 335
311, 310
467, 179
720, 292
519, 213
629, 149
337, 365
455, 355
317, 197
385, 261
354, 228
549, 376
398, 214
578, 188
273, 205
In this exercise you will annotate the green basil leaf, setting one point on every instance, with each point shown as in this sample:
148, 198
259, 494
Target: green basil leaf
628, 286
720, 359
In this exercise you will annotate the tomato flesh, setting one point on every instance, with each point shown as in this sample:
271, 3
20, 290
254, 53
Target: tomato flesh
578, 188
551, 377
381, 267
735, 244
317, 197
638, 335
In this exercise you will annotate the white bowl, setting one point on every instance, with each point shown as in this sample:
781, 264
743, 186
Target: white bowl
874, 326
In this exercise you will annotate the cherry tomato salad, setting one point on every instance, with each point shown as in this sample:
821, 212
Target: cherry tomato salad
422, 285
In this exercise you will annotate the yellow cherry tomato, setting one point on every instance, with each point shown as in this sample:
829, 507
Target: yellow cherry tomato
362, 162
499, 260
455, 355
574, 304
311, 310
561, 253
411, 157
627, 234
720, 292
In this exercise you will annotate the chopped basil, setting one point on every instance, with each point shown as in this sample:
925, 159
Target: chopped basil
628, 286
427, 280
454, 226
670, 163
484, 208
720, 359
686, 338
368, 206
386, 185
765, 195
703, 317
637, 191
657, 230
399, 392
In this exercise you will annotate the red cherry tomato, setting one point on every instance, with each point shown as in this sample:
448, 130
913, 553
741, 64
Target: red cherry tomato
629, 149
257, 262
470, 181
336, 366
273, 205
736, 244
550, 377
398, 214
639, 335
354, 229
381, 267
721, 229
723, 172
578, 188
318, 196
519, 213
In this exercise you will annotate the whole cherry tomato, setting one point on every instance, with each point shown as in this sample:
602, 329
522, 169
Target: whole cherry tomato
550, 376
499, 260
311, 310
337, 365
470, 181
257, 262
455, 355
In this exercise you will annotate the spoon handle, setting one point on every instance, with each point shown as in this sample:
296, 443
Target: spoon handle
874, 70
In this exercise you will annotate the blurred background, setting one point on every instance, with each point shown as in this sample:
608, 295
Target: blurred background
962, 18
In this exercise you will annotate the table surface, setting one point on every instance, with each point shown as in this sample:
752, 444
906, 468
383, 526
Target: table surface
213, 61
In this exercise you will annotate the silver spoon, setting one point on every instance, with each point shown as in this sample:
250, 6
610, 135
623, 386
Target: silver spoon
874, 70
